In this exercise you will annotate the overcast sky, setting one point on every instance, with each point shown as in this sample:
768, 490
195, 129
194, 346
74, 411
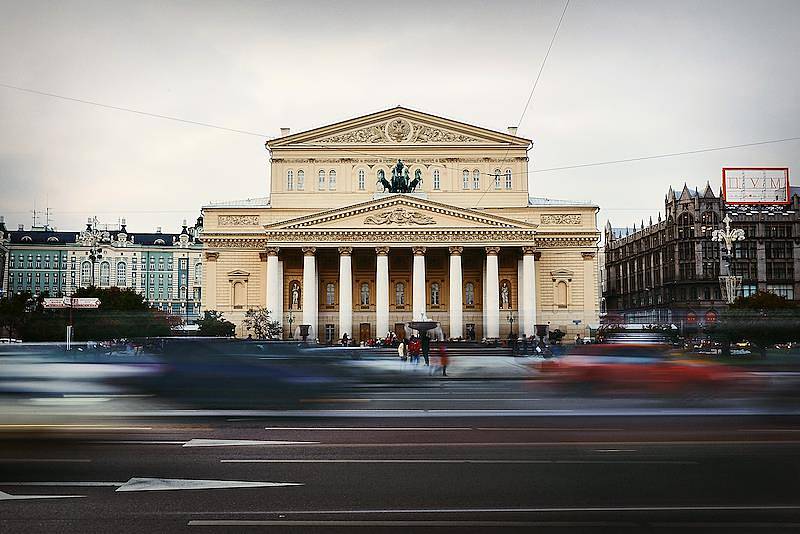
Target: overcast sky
624, 79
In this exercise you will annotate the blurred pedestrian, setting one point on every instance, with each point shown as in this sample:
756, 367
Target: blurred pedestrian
426, 348
444, 359
414, 347
345, 340
578, 340
402, 350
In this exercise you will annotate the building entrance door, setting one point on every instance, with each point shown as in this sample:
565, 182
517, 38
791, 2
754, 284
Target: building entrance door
363, 332
400, 330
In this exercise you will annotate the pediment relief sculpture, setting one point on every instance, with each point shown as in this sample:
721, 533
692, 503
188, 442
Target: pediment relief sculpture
399, 216
400, 130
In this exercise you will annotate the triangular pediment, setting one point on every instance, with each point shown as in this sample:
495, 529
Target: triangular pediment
238, 273
399, 211
399, 126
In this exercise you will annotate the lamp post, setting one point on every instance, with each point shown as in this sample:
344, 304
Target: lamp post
729, 284
290, 320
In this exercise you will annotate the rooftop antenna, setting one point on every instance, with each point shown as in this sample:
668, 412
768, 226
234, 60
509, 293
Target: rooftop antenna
34, 213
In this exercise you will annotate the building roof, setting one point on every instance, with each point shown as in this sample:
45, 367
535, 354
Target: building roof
262, 202
39, 237
542, 201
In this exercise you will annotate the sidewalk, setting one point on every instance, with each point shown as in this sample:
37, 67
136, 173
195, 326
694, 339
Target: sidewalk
461, 366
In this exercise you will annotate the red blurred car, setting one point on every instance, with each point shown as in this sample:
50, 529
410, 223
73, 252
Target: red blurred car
656, 368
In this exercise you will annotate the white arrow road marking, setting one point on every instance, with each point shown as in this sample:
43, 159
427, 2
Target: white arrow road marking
159, 484
236, 442
8, 497
73, 483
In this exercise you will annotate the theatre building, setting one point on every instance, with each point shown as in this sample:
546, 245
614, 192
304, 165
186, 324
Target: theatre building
381, 219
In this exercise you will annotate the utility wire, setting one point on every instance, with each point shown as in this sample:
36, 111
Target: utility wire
530, 97
129, 110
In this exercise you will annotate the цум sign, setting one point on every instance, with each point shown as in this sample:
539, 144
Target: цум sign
765, 185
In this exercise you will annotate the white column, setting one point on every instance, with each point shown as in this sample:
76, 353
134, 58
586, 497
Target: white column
345, 292
492, 293
456, 290
310, 291
274, 289
418, 289
520, 299
382, 292
529, 290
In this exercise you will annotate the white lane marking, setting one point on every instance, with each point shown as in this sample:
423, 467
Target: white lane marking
399, 523
435, 399
500, 444
136, 442
769, 430
8, 497
368, 428
545, 429
46, 460
163, 484
69, 484
614, 450
241, 442
565, 509
443, 461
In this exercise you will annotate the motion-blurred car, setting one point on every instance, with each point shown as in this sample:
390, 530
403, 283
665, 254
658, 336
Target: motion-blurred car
655, 368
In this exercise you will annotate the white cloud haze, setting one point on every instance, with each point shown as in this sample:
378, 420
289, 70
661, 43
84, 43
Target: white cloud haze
624, 79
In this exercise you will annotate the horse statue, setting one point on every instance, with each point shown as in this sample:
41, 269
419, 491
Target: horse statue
383, 181
416, 182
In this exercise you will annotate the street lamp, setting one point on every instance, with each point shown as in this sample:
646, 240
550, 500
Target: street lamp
511, 320
729, 284
290, 320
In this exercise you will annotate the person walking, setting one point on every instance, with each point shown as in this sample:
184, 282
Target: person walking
444, 359
426, 349
345, 340
402, 350
413, 349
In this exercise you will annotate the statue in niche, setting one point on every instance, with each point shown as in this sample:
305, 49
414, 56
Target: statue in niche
504, 293
295, 296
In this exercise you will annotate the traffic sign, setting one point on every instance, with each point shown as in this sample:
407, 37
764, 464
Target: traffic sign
55, 303
86, 303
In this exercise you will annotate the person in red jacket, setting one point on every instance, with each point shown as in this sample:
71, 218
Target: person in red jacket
414, 347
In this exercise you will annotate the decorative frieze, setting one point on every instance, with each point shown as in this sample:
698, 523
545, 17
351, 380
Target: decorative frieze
399, 216
561, 218
238, 220
400, 130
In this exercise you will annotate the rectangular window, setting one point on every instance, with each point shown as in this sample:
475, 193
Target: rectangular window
436, 181
782, 290
329, 331
508, 179
362, 180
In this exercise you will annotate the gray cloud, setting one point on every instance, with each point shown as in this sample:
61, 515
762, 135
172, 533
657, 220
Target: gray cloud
624, 79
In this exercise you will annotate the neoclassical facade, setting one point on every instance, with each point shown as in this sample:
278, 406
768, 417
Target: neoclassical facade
332, 247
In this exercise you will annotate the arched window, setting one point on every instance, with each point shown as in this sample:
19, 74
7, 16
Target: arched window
321, 180
509, 183
330, 294
238, 295
436, 181
289, 180
365, 294
711, 317
332, 180
465, 176
400, 294
435, 294
301, 179
469, 294
121, 273
561, 294
105, 274
476, 179
497, 178
362, 180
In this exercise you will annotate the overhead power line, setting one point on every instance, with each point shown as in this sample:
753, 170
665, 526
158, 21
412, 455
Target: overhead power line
129, 110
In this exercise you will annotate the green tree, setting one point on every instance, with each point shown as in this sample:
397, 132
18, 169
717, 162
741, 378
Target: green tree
214, 324
763, 319
257, 321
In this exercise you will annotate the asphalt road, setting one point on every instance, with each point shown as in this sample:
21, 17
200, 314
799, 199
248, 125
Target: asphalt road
473, 457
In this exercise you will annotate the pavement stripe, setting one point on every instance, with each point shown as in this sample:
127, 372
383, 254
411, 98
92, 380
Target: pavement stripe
401, 523
539, 510
68, 484
368, 428
539, 443
442, 461
164, 484
8, 497
241, 442
46, 460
